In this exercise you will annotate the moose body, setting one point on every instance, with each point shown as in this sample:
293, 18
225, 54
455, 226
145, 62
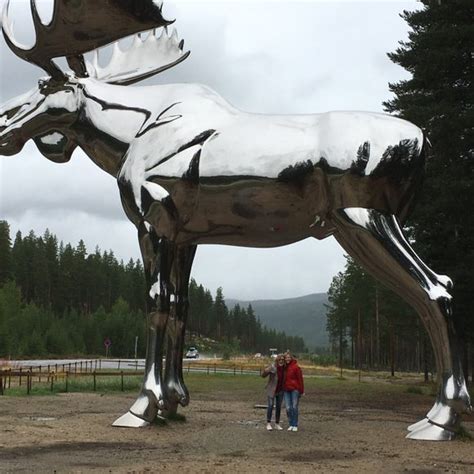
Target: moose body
193, 170
262, 180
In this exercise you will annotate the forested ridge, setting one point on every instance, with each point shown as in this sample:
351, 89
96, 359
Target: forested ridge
363, 317
57, 299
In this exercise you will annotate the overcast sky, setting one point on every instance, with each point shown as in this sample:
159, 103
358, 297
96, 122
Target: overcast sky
267, 57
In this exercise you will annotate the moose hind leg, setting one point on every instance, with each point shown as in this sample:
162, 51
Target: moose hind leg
175, 388
157, 260
376, 241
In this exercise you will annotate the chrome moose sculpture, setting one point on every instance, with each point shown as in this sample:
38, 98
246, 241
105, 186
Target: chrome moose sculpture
192, 169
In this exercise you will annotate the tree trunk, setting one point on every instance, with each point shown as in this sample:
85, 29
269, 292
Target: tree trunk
359, 358
425, 359
352, 348
392, 350
340, 345
377, 328
465, 361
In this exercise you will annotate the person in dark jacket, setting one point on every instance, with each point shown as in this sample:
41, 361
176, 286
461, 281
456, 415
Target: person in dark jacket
293, 388
274, 389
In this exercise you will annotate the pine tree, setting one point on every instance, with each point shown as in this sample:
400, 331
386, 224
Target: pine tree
5, 253
439, 97
220, 314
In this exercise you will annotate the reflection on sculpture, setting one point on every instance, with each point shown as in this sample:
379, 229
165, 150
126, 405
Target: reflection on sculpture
194, 170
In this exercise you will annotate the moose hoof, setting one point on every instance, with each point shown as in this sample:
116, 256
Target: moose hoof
146, 406
129, 420
418, 424
177, 393
429, 432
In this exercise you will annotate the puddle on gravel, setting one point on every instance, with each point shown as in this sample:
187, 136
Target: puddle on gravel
40, 418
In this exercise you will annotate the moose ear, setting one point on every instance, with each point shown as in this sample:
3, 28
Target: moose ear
55, 146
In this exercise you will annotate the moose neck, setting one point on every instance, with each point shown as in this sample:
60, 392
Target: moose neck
108, 121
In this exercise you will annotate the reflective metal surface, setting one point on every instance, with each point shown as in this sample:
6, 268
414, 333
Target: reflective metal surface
192, 169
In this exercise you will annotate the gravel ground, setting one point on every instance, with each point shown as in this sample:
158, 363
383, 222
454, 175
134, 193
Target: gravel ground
340, 431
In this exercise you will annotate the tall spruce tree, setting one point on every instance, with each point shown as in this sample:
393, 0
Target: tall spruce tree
439, 97
5, 252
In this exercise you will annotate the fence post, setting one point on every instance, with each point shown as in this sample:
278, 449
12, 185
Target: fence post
234, 369
39, 376
67, 381
80, 369
75, 367
118, 367
1, 384
21, 370
28, 382
121, 376
9, 378
52, 381
95, 383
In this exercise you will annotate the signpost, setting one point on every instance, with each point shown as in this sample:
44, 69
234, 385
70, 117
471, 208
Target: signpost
107, 344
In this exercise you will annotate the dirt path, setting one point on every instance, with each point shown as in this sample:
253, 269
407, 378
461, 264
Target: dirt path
339, 432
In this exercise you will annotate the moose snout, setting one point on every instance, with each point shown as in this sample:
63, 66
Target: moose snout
10, 144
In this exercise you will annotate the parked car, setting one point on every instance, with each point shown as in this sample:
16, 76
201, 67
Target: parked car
192, 353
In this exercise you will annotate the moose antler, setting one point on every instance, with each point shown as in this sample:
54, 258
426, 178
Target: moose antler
143, 59
81, 26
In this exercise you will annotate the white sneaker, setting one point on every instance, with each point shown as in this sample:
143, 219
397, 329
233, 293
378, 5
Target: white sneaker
295, 428
290, 428
278, 427
269, 427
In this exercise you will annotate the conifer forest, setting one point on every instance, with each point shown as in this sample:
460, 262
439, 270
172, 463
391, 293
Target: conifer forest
57, 299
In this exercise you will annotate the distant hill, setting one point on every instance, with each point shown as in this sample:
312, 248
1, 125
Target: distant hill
304, 316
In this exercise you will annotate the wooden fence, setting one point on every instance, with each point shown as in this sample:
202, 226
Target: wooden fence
49, 375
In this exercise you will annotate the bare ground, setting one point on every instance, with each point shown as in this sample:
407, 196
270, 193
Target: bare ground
340, 431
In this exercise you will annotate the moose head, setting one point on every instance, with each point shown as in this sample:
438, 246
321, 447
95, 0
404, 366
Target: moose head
45, 113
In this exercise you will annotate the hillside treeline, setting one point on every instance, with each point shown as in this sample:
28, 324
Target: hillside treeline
57, 299
438, 97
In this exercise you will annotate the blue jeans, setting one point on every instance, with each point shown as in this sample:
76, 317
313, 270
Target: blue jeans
292, 399
277, 401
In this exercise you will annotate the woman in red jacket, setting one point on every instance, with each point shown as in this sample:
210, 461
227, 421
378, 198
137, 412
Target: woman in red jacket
293, 387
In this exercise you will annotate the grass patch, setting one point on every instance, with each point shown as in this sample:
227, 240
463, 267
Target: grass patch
159, 421
176, 417
464, 435
415, 390
226, 384
83, 383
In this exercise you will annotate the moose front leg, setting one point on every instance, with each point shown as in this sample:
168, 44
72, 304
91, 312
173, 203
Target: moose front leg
158, 256
376, 241
175, 389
